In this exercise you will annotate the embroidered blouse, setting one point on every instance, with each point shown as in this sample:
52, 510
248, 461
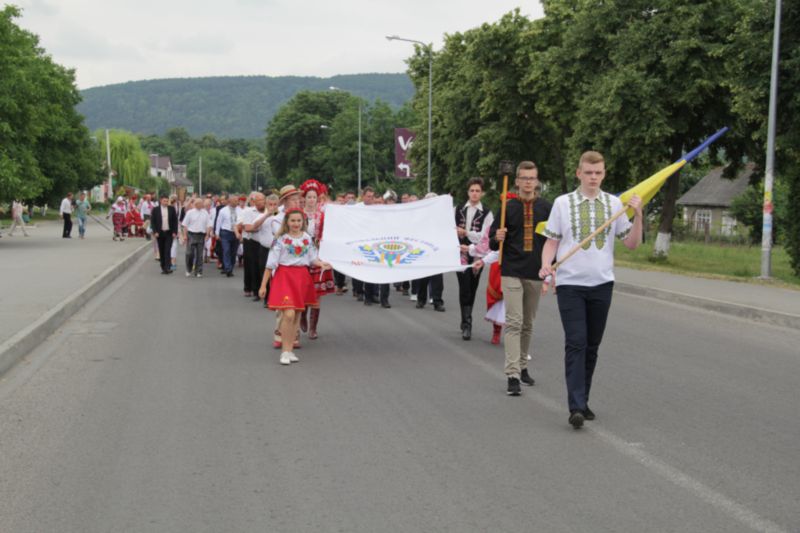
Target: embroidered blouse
573, 218
290, 251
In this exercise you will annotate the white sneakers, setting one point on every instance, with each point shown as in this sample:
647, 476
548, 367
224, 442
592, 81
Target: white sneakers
288, 358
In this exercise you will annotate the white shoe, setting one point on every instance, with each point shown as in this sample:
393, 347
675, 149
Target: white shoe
293, 358
286, 358
413, 298
188, 274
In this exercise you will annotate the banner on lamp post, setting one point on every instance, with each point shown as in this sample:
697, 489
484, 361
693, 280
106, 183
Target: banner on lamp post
403, 140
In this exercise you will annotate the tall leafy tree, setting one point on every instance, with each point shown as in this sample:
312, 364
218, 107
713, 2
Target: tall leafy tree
45, 149
129, 161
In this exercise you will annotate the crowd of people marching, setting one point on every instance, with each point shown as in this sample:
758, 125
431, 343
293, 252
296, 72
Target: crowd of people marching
275, 240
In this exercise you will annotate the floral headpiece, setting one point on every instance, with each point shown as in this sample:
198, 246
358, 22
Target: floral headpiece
295, 210
315, 185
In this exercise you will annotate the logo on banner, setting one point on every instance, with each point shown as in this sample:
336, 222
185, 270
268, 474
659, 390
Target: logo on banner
394, 252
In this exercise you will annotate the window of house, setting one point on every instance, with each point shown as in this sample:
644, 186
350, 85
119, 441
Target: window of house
702, 218
728, 224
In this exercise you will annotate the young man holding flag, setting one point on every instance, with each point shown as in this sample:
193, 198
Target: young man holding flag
585, 281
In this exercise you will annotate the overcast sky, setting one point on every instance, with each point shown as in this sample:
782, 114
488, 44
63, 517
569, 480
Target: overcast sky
113, 41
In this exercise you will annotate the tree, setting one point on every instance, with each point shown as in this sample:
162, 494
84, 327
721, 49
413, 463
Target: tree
222, 172
45, 149
295, 136
128, 160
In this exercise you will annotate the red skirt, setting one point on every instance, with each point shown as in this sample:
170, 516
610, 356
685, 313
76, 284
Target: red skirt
291, 288
324, 286
119, 222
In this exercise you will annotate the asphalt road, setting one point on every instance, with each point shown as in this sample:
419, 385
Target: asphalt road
161, 407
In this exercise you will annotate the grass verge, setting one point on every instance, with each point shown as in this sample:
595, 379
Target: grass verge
720, 261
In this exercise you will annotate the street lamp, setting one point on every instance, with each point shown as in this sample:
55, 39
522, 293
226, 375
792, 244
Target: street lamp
769, 174
430, 91
332, 88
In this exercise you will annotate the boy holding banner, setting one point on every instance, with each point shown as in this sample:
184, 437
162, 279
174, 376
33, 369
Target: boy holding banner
520, 264
585, 282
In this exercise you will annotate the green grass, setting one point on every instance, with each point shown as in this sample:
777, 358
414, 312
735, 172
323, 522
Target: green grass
733, 262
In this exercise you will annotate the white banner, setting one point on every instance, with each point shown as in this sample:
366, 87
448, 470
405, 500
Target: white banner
392, 243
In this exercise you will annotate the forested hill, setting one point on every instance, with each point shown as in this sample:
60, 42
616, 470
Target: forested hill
228, 107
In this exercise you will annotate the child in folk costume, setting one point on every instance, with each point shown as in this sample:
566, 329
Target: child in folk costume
291, 289
495, 306
312, 191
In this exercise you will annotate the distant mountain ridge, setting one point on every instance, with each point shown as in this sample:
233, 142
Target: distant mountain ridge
228, 107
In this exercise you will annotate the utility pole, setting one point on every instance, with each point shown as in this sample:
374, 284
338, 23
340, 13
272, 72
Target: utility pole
769, 171
108, 163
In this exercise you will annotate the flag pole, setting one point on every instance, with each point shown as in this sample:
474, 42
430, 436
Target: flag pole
503, 216
505, 168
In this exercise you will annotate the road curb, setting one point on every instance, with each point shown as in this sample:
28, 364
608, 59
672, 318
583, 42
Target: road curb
728, 308
15, 348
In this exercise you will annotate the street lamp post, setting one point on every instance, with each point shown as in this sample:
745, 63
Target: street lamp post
332, 88
430, 92
769, 171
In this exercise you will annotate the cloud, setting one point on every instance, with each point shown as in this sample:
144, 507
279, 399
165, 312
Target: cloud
196, 45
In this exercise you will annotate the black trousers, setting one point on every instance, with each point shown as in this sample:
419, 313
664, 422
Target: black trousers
468, 282
263, 254
164, 250
250, 259
437, 288
358, 287
339, 279
371, 290
584, 311
67, 225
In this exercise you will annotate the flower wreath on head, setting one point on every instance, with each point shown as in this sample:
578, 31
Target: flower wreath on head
314, 185
295, 210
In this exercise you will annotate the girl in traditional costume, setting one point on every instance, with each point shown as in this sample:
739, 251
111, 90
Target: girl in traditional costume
287, 271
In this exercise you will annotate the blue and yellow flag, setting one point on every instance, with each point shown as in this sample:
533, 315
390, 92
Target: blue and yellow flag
648, 188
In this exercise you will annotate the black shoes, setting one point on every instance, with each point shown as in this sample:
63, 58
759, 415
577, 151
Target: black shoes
588, 414
438, 307
386, 305
420, 304
513, 387
359, 297
526, 378
368, 301
576, 419
466, 322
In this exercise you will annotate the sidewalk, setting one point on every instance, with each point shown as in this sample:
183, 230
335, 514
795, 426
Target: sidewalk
44, 274
763, 303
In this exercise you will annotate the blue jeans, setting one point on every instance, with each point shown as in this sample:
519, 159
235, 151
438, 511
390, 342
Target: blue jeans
584, 311
81, 225
229, 247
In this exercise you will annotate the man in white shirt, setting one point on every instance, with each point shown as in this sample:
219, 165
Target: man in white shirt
585, 281
226, 232
146, 208
250, 245
66, 213
195, 228
471, 221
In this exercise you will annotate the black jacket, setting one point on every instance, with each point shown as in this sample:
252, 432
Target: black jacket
158, 226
